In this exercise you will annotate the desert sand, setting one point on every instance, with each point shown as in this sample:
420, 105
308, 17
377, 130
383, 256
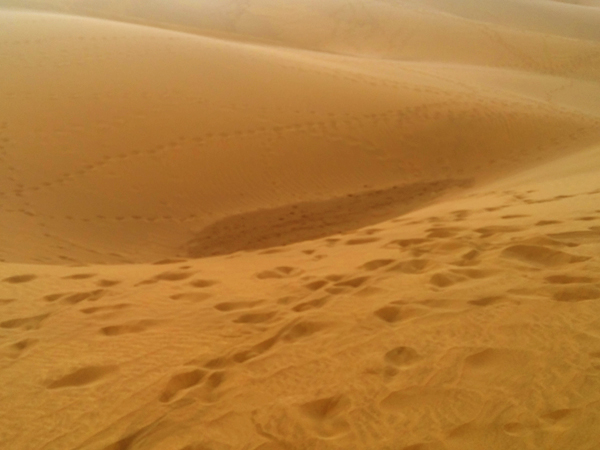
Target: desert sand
269, 225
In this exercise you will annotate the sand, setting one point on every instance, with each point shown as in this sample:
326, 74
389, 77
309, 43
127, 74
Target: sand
306, 225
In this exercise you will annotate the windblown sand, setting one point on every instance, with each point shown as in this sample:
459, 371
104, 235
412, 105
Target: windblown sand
269, 225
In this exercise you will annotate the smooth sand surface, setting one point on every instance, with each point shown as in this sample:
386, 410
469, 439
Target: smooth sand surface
273, 225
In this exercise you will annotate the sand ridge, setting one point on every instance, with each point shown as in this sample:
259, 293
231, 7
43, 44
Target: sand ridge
315, 225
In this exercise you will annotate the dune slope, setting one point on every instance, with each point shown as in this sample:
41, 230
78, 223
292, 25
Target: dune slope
315, 225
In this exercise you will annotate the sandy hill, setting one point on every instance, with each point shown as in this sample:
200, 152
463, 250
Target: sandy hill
316, 225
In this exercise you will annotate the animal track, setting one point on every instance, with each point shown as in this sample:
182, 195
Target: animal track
82, 377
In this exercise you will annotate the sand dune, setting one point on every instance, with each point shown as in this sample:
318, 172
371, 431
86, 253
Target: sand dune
315, 225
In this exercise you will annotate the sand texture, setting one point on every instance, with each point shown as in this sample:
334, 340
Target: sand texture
303, 225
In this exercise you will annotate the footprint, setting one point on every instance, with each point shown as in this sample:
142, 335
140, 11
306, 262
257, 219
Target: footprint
577, 293
413, 266
313, 304
96, 309
475, 274
541, 256
167, 276
82, 377
256, 317
301, 330
393, 313
255, 350
489, 231
79, 276
443, 232
107, 283
389, 314
559, 416
327, 415
515, 429
18, 348
486, 301
169, 261
203, 283
377, 264
568, 279
444, 279
360, 241
17, 279
289, 333
514, 216
352, 283
54, 297
316, 285
181, 382
191, 296
278, 272
127, 328
543, 223
79, 297
402, 356
232, 306
406, 243
26, 323
577, 237
217, 363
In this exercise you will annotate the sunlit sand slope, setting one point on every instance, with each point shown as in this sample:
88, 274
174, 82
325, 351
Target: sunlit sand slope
122, 143
304, 225
552, 37
469, 324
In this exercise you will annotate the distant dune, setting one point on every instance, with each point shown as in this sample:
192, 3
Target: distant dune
299, 225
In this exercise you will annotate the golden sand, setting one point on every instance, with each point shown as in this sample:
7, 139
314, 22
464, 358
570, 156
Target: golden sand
268, 225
